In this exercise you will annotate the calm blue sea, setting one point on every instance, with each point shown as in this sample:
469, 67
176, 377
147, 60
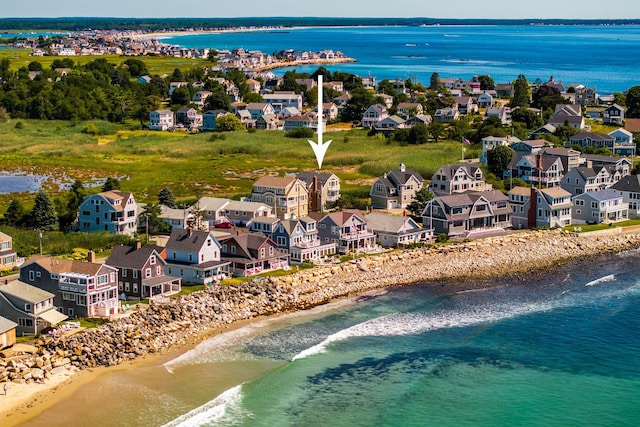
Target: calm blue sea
605, 57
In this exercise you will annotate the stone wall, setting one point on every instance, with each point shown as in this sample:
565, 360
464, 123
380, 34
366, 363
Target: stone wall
160, 327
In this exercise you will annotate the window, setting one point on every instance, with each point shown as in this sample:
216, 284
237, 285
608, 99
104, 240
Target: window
124, 272
82, 300
135, 288
102, 279
147, 273
152, 259
25, 322
127, 287
135, 274
32, 276
68, 296
120, 286
70, 312
27, 308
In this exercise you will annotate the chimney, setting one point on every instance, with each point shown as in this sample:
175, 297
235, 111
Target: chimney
138, 244
91, 256
533, 207
402, 167
189, 231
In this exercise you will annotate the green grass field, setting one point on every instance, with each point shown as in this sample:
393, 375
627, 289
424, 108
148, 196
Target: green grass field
192, 165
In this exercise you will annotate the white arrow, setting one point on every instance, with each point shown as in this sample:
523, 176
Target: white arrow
320, 148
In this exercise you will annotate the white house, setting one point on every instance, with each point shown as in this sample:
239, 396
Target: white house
161, 120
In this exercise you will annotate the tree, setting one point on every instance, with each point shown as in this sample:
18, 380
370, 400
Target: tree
529, 118
165, 197
416, 207
498, 159
68, 210
435, 129
111, 184
152, 214
620, 99
360, 100
486, 82
15, 214
228, 123
633, 102
434, 82
418, 134
43, 215
136, 67
521, 92
181, 96
252, 97
547, 97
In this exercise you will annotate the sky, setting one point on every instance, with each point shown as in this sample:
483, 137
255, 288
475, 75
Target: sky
500, 9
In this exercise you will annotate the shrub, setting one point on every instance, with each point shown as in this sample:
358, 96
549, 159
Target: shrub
19, 125
252, 130
299, 133
442, 238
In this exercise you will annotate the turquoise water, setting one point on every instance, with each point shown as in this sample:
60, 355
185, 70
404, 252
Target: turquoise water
554, 349
560, 351
605, 57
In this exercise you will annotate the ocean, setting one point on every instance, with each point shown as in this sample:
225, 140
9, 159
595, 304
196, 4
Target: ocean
605, 57
557, 349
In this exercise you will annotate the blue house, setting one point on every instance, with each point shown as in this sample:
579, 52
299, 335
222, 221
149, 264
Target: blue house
113, 211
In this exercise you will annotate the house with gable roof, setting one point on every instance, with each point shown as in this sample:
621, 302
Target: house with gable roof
394, 231
161, 120
240, 213
623, 145
530, 146
408, 109
569, 157
374, 115
614, 114
8, 257
348, 230
113, 211
323, 188
567, 114
621, 165
458, 179
539, 170
468, 214
587, 179
31, 308
287, 194
599, 207
195, 257
629, 189
591, 139
259, 109
7, 332
248, 254
141, 272
396, 189
446, 114
491, 142
209, 118
545, 207
503, 113
80, 289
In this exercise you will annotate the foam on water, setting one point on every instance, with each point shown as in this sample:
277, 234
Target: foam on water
608, 278
213, 412
417, 323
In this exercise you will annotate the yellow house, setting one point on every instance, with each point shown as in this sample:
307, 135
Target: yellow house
287, 194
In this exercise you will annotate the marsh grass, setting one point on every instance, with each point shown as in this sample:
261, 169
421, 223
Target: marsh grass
191, 164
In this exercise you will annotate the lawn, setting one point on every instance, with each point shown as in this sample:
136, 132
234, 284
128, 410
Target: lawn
193, 165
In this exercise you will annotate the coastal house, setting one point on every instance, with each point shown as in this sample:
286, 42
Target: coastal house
329, 110
323, 188
394, 231
194, 256
567, 115
259, 109
470, 214
31, 308
502, 113
141, 272
446, 114
614, 114
288, 195
598, 207
8, 257
269, 122
491, 142
505, 90
391, 123
466, 104
546, 207
347, 230
593, 140
584, 95
458, 179
209, 118
251, 253
295, 122
623, 145
80, 288
280, 100
7, 332
538, 170
569, 157
485, 100
621, 165
587, 179
112, 211
161, 120
395, 189
240, 213
542, 131
409, 109
373, 115
629, 189
200, 98
424, 119
175, 218
530, 146
212, 210
189, 116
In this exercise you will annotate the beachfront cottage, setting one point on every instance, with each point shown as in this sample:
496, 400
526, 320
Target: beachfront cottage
629, 188
502, 113
531, 146
570, 158
424, 119
585, 179
287, 194
323, 188
269, 122
458, 179
409, 109
30, 307
189, 116
539, 170
239, 213
567, 115
251, 253
373, 115
280, 100
161, 120
547, 207
194, 256
396, 189
259, 109
141, 272
174, 218
7, 332
112, 211
466, 104
209, 118
594, 140
81, 289
394, 231
470, 214
347, 229
8, 257
623, 145
598, 207
446, 114
329, 110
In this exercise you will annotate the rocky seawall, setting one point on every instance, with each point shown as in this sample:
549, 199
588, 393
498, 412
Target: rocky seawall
160, 327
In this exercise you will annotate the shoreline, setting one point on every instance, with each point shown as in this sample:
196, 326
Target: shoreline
451, 268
